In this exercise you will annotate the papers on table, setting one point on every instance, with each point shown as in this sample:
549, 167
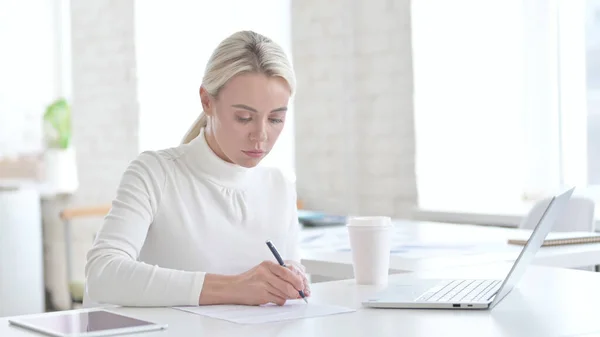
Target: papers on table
403, 245
293, 309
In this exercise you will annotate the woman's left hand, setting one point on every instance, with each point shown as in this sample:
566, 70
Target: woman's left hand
299, 269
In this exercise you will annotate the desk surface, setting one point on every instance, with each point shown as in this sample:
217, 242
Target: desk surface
431, 245
548, 302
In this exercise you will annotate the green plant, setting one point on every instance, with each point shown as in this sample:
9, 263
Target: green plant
57, 124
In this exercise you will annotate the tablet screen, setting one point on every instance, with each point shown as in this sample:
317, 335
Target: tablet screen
73, 323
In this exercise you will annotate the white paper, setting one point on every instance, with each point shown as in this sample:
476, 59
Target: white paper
293, 309
403, 245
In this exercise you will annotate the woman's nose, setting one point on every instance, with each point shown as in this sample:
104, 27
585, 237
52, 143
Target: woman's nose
259, 134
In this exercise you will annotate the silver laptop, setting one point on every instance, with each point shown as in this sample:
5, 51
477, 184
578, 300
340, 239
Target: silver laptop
471, 293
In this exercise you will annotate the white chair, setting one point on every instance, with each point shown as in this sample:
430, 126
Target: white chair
77, 287
578, 217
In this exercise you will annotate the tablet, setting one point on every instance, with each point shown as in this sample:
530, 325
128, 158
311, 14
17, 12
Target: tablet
88, 323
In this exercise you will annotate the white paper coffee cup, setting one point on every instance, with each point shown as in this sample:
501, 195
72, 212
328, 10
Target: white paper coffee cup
370, 243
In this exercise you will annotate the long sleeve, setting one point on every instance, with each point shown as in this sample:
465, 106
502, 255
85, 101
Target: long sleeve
113, 273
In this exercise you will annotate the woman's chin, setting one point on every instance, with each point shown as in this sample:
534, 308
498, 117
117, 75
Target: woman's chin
249, 162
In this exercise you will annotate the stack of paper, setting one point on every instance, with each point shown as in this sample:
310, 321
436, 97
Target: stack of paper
560, 238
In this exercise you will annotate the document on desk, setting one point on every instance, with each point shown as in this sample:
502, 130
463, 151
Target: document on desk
242, 314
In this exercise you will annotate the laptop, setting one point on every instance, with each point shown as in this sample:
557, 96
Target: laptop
471, 293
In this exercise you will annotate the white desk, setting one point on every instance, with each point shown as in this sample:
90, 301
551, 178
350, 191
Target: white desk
323, 249
548, 302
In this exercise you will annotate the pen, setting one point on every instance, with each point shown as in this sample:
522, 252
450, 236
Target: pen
280, 260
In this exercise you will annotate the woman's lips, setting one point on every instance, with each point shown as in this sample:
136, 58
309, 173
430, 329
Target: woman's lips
254, 153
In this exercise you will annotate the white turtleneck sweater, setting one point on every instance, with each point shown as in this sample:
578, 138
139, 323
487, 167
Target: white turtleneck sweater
181, 213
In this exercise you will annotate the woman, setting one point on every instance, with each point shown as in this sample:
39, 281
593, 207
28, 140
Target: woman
188, 225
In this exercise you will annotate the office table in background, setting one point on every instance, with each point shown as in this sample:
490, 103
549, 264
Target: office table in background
419, 246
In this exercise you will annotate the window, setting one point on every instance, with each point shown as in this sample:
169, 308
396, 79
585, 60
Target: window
173, 43
468, 77
507, 103
31, 72
579, 53
592, 34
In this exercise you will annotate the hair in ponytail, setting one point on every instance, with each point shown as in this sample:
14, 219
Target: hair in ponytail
241, 52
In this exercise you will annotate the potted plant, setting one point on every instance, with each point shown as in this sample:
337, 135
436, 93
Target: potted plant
57, 125
59, 155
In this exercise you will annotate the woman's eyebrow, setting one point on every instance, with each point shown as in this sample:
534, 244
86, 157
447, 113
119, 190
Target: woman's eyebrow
282, 109
245, 107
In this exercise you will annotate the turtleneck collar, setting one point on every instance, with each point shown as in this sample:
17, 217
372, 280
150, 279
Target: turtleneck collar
204, 160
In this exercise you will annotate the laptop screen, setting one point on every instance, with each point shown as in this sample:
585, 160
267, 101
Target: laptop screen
544, 225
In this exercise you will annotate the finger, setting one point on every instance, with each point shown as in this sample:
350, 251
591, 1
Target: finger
287, 275
306, 284
301, 274
296, 265
274, 298
306, 287
295, 269
290, 275
284, 287
274, 289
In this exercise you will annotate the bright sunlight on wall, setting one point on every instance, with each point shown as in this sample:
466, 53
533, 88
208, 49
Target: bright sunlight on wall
468, 66
503, 115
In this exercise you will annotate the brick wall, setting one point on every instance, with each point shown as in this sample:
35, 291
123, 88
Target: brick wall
105, 123
355, 149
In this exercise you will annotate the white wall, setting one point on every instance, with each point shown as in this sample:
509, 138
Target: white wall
354, 109
172, 54
105, 105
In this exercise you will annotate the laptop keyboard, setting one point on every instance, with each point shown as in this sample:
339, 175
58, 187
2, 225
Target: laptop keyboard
461, 291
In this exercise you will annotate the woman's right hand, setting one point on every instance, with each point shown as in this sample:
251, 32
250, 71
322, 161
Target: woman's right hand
268, 282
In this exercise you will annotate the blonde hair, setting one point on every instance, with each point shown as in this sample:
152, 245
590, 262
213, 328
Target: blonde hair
241, 52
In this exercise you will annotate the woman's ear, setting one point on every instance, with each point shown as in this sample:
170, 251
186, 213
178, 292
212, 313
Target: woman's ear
206, 100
